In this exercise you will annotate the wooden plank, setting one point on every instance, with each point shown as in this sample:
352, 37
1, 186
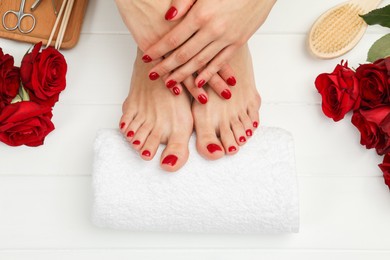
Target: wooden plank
47, 212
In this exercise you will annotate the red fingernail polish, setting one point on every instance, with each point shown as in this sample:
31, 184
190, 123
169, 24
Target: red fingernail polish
146, 153
232, 149
130, 134
202, 99
171, 83
171, 13
213, 148
226, 94
242, 139
176, 90
122, 125
146, 58
170, 160
153, 75
255, 124
248, 132
136, 142
201, 83
231, 81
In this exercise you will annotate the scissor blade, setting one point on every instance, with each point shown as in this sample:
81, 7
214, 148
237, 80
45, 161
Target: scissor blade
35, 5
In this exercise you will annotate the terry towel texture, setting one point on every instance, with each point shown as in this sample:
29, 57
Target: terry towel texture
254, 191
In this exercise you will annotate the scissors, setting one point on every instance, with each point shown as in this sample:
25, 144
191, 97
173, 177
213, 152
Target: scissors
20, 15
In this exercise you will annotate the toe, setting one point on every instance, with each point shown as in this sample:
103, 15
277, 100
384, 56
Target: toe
254, 117
247, 123
208, 144
140, 135
133, 127
175, 154
228, 141
238, 131
150, 146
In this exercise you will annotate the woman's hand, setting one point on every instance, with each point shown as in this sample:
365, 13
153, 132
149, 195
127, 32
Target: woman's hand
206, 37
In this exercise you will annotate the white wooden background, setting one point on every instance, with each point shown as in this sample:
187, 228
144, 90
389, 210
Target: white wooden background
45, 192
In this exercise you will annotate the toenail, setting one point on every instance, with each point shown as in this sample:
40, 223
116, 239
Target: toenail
231, 81
176, 90
146, 58
130, 134
170, 160
232, 149
136, 142
122, 125
153, 75
226, 94
213, 148
171, 83
146, 153
255, 124
248, 132
242, 139
202, 99
201, 83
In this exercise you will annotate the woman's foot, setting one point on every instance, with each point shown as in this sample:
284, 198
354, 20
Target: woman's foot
223, 125
153, 116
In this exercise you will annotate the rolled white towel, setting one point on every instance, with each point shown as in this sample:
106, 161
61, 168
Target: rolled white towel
254, 191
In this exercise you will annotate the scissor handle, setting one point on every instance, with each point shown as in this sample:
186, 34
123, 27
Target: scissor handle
4, 20
19, 21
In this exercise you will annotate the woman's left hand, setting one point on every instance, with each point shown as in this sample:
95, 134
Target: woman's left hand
207, 37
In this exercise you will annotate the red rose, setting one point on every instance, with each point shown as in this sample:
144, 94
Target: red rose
44, 74
385, 167
374, 127
25, 123
9, 79
374, 83
339, 91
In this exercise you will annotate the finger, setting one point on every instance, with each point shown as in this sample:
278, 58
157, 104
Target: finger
199, 94
215, 65
227, 74
176, 37
175, 88
220, 87
183, 55
178, 9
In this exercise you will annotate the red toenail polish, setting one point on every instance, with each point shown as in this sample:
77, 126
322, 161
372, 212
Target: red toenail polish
146, 58
130, 134
171, 13
201, 83
231, 81
232, 149
226, 94
176, 90
242, 139
248, 132
170, 160
153, 75
122, 125
171, 83
146, 153
136, 142
255, 124
213, 148
202, 99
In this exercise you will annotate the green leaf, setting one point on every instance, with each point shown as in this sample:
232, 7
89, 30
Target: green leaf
16, 99
23, 94
379, 16
380, 49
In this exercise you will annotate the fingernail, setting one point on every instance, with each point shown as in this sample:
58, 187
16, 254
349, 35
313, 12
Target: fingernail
146, 58
176, 90
171, 13
255, 124
242, 139
146, 153
136, 142
226, 94
171, 83
231, 81
202, 99
213, 148
170, 160
248, 132
232, 149
153, 75
201, 83
122, 125
130, 134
